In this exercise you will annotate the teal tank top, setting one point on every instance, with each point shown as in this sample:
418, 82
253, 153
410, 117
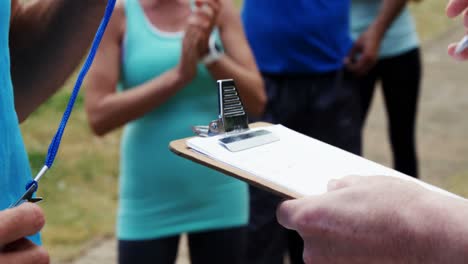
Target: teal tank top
399, 38
162, 194
14, 166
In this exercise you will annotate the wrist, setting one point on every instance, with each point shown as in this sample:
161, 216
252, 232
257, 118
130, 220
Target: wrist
213, 54
453, 244
377, 30
181, 77
443, 229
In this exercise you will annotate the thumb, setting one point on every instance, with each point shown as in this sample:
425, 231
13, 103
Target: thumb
354, 52
456, 7
287, 213
290, 214
458, 56
19, 222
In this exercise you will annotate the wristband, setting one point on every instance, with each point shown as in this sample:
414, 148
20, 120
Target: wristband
214, 52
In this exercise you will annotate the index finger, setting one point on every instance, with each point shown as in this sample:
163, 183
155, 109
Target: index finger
354, 51
213, 4
456, 7
20, 222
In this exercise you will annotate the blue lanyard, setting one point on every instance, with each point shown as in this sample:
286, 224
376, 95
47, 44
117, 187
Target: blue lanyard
32, 186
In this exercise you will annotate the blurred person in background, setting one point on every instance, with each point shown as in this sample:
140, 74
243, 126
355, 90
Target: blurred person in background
161, 55
361, 220
300, 48
35, 37
398, 68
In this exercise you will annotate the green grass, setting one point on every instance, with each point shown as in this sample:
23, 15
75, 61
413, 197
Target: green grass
430, 18
81, 189
457, 184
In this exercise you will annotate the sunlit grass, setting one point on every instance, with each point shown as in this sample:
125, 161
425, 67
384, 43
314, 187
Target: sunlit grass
81, 189
457, 184
430, 18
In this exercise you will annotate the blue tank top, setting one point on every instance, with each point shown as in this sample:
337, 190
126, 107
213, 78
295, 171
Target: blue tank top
399, 38
14, 166
162, 194
298, 36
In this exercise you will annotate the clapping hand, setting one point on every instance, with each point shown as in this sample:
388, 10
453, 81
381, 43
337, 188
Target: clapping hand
197, 34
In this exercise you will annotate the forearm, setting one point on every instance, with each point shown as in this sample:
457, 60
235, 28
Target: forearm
117, 109
249, 83
389, 10
48, 39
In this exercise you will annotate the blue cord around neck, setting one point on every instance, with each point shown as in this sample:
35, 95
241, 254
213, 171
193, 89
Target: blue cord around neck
32, 185
55, 144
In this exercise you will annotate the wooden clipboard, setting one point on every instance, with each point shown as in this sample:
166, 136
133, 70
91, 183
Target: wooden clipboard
352, 165
180, 148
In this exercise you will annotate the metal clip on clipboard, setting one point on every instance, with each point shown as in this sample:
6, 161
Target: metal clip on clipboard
232, 122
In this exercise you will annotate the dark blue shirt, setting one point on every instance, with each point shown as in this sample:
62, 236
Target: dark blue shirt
298, 36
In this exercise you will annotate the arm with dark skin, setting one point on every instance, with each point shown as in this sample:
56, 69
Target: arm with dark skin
48, 39
364, 53
239, 64
108, 109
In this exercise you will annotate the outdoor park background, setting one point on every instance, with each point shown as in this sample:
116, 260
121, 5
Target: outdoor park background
81, 189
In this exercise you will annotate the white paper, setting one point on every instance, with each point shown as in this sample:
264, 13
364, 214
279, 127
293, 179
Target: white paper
296, 162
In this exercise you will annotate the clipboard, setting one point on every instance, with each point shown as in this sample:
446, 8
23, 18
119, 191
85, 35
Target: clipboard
273, 157
180, 148
289, 174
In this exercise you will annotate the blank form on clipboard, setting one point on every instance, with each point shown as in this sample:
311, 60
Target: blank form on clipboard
298, 163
